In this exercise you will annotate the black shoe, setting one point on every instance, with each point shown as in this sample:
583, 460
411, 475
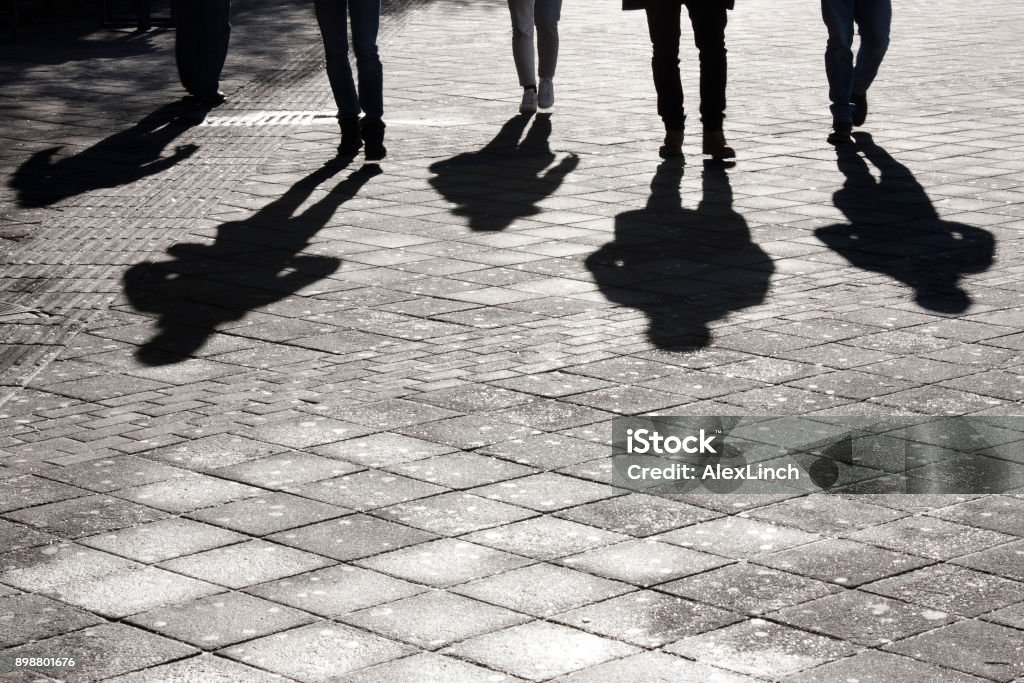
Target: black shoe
372, 131
860, 108
673, 146
716, 146
211, 100
351, 141
841, 134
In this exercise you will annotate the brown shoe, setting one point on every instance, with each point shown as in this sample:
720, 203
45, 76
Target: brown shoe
715, 145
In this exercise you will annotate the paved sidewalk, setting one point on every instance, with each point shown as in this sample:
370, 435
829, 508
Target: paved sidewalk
267, 417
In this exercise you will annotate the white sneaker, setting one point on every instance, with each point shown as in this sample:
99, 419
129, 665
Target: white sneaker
529, 103
546, 94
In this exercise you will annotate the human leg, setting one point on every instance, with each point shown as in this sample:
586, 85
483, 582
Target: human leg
332, 16
215, 32
838, 16
522, 12
663, 26
873, 18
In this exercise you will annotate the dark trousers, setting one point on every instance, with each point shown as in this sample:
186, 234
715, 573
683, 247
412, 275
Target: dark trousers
201, 43
333, 17
708, 18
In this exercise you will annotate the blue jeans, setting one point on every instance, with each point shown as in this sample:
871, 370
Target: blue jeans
333, 17
544, 15
872, 18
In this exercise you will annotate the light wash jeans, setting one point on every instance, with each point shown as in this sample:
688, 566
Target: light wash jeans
872, 18
544, 15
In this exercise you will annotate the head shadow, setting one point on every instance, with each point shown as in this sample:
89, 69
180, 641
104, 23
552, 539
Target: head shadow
684, 268
895, 229
505, 180
252, 263
120, 159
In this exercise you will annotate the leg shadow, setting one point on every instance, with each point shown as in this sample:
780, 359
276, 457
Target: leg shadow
118, 160
505, 180
895, 229
683, 267
252, 263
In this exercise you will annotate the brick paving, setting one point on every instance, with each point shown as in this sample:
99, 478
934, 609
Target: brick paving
270, 418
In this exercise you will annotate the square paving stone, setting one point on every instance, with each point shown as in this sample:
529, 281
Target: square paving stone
539, 650
825, 514
122, 593
462, 470
189, 493
654, 667
434, 619
317, 652
221, 620
395, 413
336, 590
285, 470
30, 490
25, 618
44, 568
262, 515
647, 618
111, 474
162, 540
545, 538
738, 537
975, 647
553, 384
548, 451
1012, 616
1004, 514
644, 562
749, 588
473, 398
212, 452
86, 516
108, 386
367, 490
352, 537
427, 667
246, 564
306, 432
930, 537
948, 588
542, 590
843, 562
862, 618
637, 514
1005, 560
444, 562
200, 669
761, 648
17, 536
382, 450
881, 667
546, 492
454, 513
107, 650
549, 414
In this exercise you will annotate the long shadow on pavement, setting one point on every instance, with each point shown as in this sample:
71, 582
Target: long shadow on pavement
505, 180
252, 263
684, 268
120, 159
894, 229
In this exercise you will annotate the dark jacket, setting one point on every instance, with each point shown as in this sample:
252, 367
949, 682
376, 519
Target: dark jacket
642, 4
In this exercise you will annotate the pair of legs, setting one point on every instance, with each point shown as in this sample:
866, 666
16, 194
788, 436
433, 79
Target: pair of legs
201, 46
708, 19
334, 17
848, 81
540, 17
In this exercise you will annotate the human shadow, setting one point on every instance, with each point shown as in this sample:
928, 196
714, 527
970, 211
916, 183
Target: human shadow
122, 158
504, 181
895, 229
252, 263
684, 268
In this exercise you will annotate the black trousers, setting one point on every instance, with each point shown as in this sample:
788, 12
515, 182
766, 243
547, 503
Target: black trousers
201, 43
708, 18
